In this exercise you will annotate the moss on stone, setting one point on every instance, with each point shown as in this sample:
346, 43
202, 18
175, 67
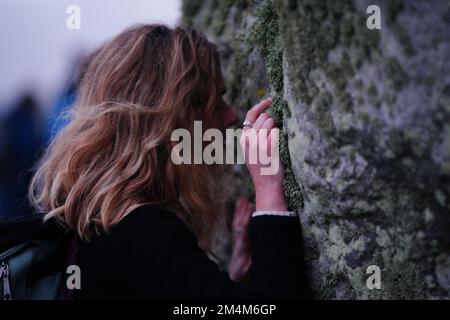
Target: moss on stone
207, 20
358, 83
372, 95
241, 6
219, 21
346, 65
322, 102
237, 70
372, 90
396, 73
393, 8
317, 37
325, 51
404, 39
189, 10
265, 35
389, 99
336, 76
345, 101
321, 108
347, 31
264, 31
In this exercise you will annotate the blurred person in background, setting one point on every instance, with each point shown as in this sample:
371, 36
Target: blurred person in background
24, 131
59, 112
19, 147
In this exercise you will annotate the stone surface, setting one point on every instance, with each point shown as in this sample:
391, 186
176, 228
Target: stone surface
366, 122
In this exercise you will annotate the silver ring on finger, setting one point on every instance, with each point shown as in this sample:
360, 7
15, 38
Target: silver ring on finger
247, 123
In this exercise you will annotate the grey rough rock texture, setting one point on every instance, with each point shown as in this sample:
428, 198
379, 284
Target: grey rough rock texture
366, 122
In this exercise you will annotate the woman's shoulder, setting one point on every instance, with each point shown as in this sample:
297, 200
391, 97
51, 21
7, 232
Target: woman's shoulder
148, 225
152, 221
142, 242
150, 213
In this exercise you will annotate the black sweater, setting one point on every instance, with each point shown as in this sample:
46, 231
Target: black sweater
152, 254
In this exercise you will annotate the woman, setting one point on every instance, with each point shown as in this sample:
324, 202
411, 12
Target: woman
145, 224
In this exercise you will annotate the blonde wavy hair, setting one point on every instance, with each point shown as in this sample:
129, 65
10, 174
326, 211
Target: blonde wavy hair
114, 155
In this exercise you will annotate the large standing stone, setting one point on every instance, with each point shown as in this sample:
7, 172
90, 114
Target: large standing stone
366, 116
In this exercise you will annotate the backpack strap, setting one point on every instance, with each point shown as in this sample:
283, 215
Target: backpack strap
14, 231
34, 253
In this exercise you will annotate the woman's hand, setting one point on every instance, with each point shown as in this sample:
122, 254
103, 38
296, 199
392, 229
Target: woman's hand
268, 187
241, 255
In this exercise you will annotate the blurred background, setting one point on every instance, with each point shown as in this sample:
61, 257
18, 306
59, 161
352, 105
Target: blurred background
42, 44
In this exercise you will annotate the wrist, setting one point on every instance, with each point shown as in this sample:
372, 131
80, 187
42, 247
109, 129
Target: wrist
265, 189
270, 199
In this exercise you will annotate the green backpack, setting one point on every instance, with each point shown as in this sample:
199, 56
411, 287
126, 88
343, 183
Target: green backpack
33, 257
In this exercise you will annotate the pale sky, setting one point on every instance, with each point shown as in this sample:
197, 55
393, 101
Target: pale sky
37, 48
